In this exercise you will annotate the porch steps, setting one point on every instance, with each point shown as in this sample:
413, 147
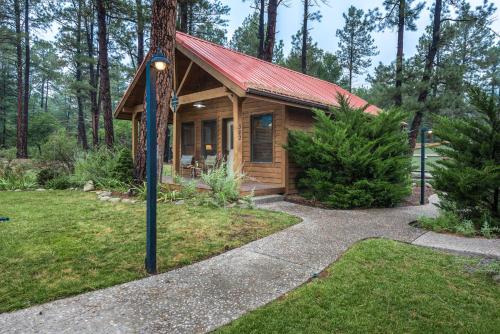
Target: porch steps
266, 199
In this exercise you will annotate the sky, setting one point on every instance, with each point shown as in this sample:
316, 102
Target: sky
289, 21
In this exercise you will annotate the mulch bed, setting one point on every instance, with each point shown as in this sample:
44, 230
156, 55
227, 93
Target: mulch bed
412, 200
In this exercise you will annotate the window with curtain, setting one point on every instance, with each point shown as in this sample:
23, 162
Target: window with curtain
187, 138
262, 138
209, 138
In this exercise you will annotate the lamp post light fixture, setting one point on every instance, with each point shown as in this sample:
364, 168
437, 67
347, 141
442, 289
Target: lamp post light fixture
160, 63
423, 132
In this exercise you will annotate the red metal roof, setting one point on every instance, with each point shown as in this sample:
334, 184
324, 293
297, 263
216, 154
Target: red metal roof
253, 74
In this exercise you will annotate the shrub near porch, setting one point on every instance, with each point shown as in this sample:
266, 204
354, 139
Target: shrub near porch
353, 159
61, 243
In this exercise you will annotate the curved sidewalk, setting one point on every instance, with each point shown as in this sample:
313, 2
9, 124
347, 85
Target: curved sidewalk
211, 293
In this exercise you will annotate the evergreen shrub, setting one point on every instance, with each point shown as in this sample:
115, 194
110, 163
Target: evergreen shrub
353, 159
467, 179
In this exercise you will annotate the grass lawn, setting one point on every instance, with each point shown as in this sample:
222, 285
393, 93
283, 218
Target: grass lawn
381, 286
61, 243
429, 152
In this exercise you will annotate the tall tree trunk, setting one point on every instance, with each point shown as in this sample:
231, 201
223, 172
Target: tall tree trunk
272, 13
429, 62
82, 133
42, 91
398, 98
262, 8
21, 131
26, 98
46, 94
163, 37
305, 32
3, 109
105, 93
190, 19
183, 15
140, 32
94, 109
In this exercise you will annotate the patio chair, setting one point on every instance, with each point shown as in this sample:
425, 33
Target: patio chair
186, 163
210, 162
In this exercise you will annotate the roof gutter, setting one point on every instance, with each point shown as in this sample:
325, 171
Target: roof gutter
287, 99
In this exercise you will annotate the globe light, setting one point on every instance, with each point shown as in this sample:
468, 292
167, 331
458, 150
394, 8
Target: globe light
160, 62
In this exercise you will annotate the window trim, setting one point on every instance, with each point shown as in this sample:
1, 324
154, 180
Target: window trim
251, 138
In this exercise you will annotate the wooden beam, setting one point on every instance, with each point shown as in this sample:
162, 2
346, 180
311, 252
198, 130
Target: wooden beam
237, 133
137, 109
132, 85
179, 89
203, 95
135, 134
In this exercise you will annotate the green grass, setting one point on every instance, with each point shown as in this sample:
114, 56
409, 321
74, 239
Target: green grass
382, 286
61, 243
428, 161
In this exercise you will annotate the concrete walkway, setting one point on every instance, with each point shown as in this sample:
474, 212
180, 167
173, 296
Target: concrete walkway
211, 293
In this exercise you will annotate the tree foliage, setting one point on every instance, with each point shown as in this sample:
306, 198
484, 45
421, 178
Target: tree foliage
468, 179
353, 159
356, 45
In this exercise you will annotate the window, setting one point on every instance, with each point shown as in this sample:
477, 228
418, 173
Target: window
187, 138
262, 138
209, 138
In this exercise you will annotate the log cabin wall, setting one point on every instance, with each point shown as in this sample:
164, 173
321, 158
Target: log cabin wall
296, 119
264, 172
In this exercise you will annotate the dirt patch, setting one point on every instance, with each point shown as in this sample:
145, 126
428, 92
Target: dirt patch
412, 200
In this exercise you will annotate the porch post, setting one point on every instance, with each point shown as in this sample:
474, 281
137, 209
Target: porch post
237, 131
175, 143
135, 134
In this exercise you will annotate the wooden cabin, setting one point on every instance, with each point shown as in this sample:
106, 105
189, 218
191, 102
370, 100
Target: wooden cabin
237, 107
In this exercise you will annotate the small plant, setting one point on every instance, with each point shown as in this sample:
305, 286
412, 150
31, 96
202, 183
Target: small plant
224, 185
102, 167
47, 174
16, 176
60, 148
123, 170
60, 182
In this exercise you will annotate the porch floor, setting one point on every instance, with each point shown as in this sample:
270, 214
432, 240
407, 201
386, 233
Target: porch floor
258, 188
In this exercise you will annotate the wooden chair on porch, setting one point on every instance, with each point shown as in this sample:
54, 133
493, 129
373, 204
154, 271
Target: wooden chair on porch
210, 162
187, 164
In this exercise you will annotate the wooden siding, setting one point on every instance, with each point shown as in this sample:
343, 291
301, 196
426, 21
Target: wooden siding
264, 172
296, 119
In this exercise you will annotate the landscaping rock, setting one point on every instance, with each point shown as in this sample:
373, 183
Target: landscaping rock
18, 190
89, 186
104, 198
179, 202
40, 189
129, 201
115, 199
104, 194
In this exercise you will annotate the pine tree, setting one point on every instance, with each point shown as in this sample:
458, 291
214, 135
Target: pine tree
356, 44
246, 40
400, 14
468, 178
